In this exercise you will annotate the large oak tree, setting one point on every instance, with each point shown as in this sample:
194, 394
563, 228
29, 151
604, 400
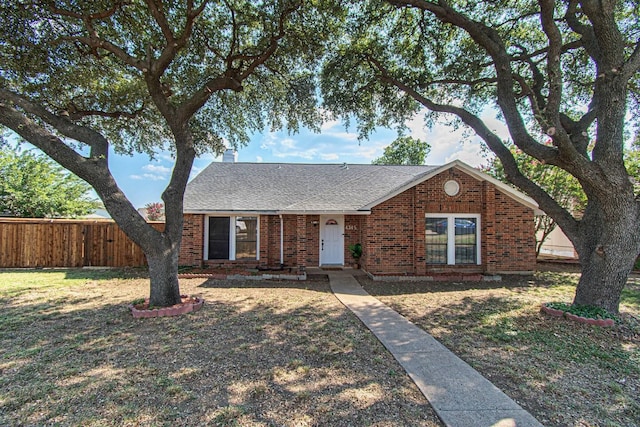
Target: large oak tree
78, 78
564, 70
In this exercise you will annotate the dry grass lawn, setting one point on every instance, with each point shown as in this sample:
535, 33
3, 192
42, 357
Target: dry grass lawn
564, 373
256, 354
289, 354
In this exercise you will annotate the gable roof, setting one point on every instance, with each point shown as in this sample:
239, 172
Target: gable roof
311, 188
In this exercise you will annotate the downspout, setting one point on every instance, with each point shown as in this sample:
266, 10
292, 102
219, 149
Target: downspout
281, 241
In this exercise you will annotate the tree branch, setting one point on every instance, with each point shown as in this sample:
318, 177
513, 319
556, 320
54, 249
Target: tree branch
90, 17
554, 72
99, 145
94, 170
77, 114
458, 81
155, 8
632, 65
233, 77
513, 173
173, 46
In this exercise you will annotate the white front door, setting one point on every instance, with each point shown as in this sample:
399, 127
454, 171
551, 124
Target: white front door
331, 239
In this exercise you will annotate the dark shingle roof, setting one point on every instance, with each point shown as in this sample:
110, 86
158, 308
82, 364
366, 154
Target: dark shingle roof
290, 187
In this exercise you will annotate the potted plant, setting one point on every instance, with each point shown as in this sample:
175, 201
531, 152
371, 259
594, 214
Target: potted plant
356, 253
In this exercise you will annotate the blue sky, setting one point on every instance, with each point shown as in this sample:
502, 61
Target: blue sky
143, 180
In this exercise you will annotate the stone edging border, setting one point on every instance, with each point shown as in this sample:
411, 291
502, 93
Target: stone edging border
175, 310
559, 313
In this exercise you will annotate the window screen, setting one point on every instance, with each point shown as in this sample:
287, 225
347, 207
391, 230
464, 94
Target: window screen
246, 237
436, 231
465, 240
219, 237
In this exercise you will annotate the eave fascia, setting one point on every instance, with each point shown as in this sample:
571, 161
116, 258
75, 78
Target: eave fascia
275, 212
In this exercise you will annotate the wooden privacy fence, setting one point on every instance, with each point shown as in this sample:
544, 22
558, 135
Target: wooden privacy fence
66, 243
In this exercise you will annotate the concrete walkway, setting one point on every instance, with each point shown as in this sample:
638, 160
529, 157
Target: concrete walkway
459, 394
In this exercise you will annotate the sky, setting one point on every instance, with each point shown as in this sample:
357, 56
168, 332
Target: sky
143, 180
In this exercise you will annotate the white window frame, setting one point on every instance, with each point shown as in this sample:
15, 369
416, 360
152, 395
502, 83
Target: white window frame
232, 235
451, 236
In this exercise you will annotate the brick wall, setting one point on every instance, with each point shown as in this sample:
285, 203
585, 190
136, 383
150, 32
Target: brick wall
395, 229
191, 250
354, 225
313, 240
270, 240
514, 236
390, 236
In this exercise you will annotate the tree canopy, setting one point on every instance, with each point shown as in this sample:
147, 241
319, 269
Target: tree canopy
77, 78
404, 151
564, 71
33, 186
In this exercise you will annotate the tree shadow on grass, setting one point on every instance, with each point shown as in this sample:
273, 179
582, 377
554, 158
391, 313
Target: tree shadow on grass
107, 273
315, 282
247, 357
400, 287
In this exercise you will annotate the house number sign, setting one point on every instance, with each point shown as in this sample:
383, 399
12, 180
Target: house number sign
351, 227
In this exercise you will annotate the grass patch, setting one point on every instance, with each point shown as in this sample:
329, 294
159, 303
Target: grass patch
588, 311
257, 353
563, 372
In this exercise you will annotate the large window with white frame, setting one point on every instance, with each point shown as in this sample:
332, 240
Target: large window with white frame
231, 238
452, 239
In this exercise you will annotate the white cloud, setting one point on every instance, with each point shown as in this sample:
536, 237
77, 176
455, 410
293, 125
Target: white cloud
330, 156
449, 143
288, 143
157, 169
148, 176
345, 136
259, 159
309, 154
268, 141
470, 153
329, 124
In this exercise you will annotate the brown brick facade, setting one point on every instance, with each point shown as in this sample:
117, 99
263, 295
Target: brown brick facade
393, 235
395, 242
191, 250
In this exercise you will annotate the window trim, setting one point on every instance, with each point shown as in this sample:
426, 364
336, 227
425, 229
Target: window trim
451, 237
232, 236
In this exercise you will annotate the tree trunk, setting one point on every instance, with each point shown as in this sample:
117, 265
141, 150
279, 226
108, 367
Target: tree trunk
163, 275
608, 250
603, 278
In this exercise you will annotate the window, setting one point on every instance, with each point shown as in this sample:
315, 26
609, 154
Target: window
232, 238
246, 237
219, 237
452, 239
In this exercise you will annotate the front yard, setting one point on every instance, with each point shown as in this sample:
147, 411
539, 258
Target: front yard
256, 354
564, 373
289, 354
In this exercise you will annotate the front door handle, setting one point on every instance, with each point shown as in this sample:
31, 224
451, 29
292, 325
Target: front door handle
322, 245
